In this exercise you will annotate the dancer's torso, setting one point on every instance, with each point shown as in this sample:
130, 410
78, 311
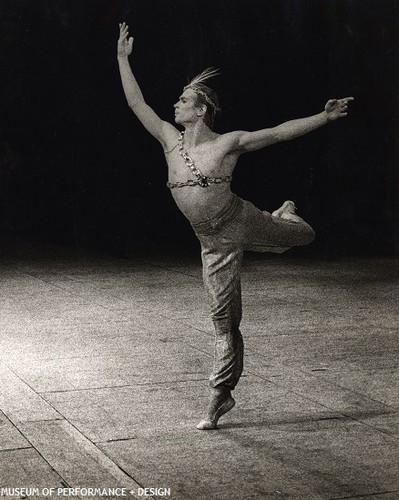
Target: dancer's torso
195, 202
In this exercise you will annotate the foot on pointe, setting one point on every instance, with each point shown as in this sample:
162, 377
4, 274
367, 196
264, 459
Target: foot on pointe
215, 413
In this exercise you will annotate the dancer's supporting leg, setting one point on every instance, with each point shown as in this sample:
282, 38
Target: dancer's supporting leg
222, 259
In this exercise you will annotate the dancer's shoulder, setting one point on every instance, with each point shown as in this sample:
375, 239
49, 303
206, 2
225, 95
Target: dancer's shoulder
229, 141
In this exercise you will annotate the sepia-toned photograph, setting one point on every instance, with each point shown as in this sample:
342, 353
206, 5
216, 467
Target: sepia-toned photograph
199, 242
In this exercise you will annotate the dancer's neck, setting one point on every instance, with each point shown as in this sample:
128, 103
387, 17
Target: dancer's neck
197, 133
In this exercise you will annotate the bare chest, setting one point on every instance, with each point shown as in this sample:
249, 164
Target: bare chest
207, 159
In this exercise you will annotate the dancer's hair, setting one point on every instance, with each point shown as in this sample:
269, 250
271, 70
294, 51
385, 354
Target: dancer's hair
205, 95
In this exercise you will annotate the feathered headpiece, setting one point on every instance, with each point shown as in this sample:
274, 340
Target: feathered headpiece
201, 78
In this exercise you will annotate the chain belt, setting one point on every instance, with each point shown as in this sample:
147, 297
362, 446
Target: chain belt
203, 182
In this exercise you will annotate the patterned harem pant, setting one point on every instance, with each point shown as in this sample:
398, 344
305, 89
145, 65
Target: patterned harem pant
238, 227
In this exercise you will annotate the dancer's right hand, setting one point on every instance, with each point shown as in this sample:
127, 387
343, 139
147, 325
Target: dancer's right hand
125, 44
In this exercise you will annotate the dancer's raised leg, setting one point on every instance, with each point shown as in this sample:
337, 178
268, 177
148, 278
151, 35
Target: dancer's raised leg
287, 212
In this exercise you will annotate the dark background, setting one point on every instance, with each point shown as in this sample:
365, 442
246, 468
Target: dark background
77, 168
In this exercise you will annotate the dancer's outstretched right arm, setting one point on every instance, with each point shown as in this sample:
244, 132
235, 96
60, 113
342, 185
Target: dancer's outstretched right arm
160, 129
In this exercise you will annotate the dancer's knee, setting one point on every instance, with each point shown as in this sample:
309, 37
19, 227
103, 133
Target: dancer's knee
309, 235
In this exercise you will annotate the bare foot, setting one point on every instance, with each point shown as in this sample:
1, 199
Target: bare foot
219, 405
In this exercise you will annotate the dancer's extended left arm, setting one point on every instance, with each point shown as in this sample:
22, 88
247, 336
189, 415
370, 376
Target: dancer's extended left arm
251, 141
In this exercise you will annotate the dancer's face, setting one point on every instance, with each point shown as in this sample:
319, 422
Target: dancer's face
185, 109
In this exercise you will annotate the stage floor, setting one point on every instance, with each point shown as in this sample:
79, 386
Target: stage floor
105, 362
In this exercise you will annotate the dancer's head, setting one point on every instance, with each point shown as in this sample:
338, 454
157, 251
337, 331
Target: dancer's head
205, 96
205, 99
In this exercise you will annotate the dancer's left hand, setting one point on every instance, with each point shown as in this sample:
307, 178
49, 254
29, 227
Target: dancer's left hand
337, 108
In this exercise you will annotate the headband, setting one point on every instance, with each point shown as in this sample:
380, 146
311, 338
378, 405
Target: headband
202, 77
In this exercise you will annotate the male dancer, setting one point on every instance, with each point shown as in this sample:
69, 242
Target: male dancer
200, 164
